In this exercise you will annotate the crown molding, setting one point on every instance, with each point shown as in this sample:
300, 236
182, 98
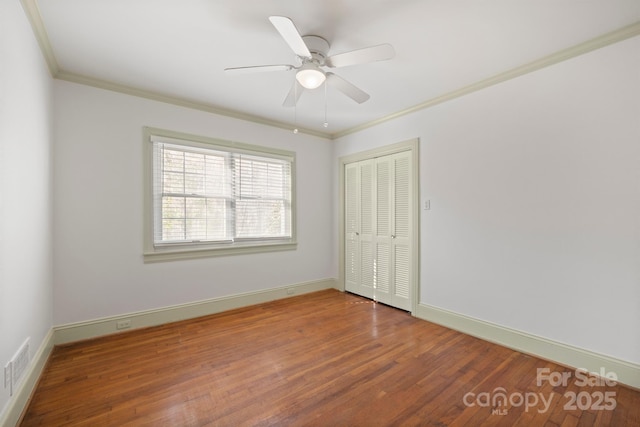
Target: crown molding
33, 14
606, 39
35, 19
182, 102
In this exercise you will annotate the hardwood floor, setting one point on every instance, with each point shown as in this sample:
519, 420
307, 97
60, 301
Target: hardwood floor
325, 359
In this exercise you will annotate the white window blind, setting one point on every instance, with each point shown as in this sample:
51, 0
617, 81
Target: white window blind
218, 195
263, 197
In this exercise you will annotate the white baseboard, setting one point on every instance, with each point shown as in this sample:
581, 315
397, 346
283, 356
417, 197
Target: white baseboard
20, 399
95, 328
627, 372
105, 326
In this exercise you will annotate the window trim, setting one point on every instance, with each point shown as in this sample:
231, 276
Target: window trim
177, 251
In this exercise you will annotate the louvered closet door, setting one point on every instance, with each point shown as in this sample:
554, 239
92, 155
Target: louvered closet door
359, 248
377, 228
384, 229
392, 241
351, 227
400, 266
367, 224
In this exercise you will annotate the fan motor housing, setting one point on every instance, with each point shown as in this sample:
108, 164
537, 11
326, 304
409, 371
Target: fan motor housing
318, 47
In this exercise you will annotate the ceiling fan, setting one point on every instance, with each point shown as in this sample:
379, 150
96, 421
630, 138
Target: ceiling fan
312, 52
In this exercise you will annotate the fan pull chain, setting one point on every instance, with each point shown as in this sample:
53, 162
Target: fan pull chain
326, 123
295, 107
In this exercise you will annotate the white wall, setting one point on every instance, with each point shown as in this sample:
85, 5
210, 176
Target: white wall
25, 195
535, 201
98, 204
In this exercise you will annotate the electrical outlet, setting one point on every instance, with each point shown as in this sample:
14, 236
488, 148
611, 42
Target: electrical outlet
291, 291
123, 324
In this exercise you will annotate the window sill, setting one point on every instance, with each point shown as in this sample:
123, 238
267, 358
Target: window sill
174, 254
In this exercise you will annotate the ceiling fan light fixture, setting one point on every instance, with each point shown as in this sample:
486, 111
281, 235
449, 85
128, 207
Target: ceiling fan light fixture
310, 76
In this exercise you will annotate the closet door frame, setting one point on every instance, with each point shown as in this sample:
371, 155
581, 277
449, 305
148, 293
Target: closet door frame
411, 146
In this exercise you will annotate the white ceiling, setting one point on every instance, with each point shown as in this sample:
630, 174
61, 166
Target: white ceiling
180, 48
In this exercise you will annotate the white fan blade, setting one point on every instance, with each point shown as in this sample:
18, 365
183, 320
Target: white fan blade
361, 56
291, 35
294, 94
258, 69
347, 88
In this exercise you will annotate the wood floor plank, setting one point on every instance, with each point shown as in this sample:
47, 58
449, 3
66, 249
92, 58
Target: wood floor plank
326, 358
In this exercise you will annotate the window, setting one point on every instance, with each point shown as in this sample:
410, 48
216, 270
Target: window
207, 197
